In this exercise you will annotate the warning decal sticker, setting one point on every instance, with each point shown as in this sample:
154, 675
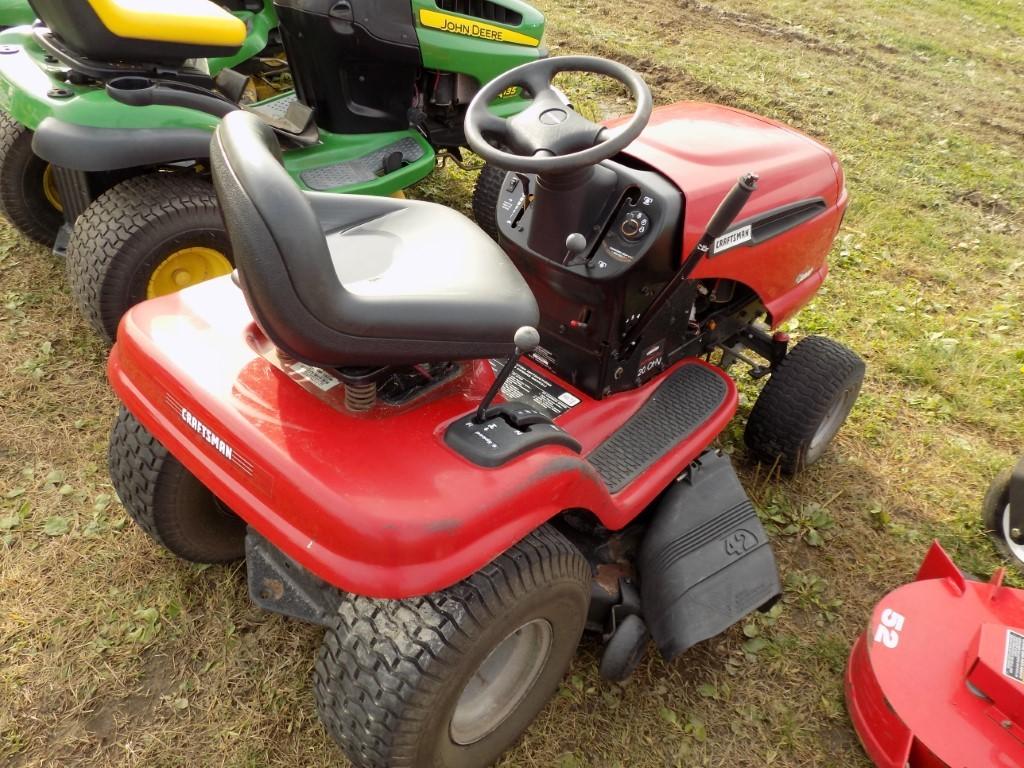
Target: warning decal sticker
527, 386
1013, 659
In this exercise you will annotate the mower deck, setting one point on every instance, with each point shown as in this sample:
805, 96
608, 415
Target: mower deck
307, 473
938, 677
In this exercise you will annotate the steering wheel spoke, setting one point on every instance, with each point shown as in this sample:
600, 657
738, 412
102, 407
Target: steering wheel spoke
549, 136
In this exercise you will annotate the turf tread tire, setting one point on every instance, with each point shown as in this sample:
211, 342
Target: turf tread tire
110, 253
997, 498
385, 664
152, 484
797, 399
22, 199
486, 194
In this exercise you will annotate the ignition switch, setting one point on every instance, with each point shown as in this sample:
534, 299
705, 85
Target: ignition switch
635, 225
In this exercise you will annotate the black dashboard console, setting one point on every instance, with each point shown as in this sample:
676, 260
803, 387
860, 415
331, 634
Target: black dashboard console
595, 249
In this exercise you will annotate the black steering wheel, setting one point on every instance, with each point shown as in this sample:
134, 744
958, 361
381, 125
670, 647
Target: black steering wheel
549, 136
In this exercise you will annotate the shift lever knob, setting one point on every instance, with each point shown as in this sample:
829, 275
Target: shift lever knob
526, 339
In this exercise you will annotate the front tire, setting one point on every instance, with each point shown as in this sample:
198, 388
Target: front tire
167, 501
486, 195
805, 402
995, 515
28, 193
451, 680
146, 237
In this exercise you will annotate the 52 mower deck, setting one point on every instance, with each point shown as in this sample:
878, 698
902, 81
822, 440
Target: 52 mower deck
937, 680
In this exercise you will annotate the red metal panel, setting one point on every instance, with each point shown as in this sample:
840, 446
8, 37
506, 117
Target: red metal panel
704, 148
375, 504
908, 676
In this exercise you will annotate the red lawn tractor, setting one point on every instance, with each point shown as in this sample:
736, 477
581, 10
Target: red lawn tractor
457, 456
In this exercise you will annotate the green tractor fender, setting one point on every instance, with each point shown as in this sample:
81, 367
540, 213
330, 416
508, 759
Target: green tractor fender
92, 149
14, 13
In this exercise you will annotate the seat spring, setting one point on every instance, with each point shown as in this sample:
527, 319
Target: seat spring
360, 397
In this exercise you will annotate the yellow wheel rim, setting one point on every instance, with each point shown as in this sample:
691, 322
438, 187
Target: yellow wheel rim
50, 189
186, 267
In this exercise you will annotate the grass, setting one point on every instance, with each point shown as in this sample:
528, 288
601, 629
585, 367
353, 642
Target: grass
112, 652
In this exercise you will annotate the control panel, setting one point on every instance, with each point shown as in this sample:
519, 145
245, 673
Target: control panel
640, 207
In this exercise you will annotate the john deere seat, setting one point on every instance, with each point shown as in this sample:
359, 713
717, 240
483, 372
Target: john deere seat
142, 30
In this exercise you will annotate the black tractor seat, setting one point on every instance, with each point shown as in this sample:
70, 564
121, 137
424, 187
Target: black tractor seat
142, 30
355, 281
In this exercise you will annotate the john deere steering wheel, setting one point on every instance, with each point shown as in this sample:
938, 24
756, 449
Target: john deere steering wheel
548, 136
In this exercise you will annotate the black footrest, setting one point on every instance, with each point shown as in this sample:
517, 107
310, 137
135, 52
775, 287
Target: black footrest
683, 402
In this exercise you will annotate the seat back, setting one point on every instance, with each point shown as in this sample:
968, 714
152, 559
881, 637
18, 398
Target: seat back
142, 30
268, 216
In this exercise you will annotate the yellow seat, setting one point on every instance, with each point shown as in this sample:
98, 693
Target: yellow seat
187, 22
143, 30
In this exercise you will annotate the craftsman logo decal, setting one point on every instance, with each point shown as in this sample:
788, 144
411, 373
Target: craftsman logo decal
1013, 658
734, 238
206, 433
458, 25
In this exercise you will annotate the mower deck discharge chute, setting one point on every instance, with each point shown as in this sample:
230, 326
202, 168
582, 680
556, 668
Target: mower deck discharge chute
937, 679
368, 413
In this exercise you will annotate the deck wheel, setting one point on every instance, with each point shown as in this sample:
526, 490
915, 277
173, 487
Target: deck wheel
995, 515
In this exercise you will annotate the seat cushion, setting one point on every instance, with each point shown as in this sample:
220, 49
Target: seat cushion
352, 280
146, 30
424, 272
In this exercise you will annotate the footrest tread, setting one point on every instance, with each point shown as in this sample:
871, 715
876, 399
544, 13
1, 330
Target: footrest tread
683, 402
361, 169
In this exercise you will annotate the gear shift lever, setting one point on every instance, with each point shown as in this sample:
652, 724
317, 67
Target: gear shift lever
526, 340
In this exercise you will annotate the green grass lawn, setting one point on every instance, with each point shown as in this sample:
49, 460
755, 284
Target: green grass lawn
112, 652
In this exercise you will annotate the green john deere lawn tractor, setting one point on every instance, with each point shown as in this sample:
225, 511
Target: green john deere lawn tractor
380, 90
45, 73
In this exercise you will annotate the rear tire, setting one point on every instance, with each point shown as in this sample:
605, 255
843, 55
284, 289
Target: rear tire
995, 515
486, 195
167, 501
24, 183
451, 680
131, 231
805, 402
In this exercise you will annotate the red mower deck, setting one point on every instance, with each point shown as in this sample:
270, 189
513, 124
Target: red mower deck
937, 680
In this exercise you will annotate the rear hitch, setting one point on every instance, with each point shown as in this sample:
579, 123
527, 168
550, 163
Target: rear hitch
280, 585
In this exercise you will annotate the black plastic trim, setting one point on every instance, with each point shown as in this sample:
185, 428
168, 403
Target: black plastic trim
777, 221
85, 148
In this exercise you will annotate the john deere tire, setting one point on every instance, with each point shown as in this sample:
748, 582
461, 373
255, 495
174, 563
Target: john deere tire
486, 194
451, 680
148, 236
804, 403
167, 501
28, 196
